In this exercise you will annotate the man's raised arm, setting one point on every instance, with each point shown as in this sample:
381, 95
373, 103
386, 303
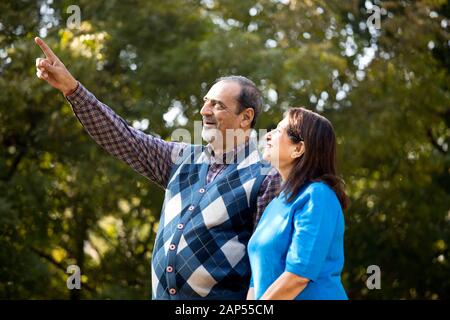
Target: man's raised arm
148, 155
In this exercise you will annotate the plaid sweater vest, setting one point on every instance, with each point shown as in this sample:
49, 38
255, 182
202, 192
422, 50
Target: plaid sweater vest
200, 248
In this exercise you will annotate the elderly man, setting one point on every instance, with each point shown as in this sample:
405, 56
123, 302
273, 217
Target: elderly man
215, 194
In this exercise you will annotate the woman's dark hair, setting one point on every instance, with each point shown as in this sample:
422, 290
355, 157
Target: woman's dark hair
318, 162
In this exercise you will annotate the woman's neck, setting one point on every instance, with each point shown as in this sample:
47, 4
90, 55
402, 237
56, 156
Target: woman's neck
284, 172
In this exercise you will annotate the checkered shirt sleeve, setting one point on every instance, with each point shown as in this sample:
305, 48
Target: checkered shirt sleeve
150, 156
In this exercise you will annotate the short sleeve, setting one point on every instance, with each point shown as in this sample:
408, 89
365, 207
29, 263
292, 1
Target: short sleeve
251, 282
314, 226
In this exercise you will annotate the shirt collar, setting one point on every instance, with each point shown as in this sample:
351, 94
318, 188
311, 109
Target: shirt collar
227, 157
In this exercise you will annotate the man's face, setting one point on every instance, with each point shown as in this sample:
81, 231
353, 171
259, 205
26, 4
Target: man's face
219, 110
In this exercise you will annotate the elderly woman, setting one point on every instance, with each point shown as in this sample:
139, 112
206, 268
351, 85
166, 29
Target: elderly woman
297, 249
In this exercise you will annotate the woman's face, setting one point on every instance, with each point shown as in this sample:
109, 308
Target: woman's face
279, 150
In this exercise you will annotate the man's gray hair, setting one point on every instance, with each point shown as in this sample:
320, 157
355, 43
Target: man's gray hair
249, 97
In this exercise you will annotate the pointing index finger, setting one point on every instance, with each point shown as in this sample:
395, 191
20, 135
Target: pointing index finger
47, 51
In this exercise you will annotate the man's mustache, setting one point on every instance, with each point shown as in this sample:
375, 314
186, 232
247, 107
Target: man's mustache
208, 120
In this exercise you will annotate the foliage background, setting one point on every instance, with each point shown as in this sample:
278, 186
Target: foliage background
64, 201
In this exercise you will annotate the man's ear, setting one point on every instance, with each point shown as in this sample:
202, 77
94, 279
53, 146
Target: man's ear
247, 117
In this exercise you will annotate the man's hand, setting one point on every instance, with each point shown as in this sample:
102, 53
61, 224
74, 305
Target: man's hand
52, 70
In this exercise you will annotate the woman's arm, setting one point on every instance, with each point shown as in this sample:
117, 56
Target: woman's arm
286, 287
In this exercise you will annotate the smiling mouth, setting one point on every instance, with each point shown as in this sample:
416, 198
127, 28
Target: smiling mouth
209, 123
